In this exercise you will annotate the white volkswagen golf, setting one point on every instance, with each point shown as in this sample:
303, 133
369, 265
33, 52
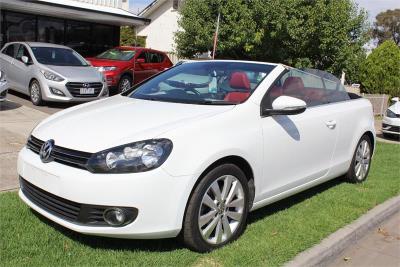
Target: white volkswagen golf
193, 150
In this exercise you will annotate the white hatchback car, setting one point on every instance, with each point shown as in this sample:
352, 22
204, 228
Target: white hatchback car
193, 150
391, 120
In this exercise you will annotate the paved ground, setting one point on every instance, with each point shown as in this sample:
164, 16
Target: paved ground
16, 122
379, 248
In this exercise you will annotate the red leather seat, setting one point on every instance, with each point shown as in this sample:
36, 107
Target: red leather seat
238, 80
293, 86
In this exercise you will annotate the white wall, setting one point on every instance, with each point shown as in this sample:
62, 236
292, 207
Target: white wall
160, 32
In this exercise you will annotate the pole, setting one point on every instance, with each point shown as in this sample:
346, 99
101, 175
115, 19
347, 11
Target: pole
216, 36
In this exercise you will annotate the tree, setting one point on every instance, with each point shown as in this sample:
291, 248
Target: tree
303, 33
380, 73
387, 26
128, 38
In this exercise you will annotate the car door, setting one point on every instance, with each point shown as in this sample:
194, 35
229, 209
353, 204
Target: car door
142, 70
22, 81
6, 60
297, 148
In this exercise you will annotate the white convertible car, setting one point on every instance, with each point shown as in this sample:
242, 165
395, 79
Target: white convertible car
193, 150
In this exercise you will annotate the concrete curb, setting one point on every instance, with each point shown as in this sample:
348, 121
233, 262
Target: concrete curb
333, 245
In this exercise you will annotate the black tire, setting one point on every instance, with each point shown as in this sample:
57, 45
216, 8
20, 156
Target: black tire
191, 234
36, 99
122, 83
351, 175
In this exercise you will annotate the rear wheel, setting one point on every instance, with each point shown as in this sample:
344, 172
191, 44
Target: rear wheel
125, 83
217, 210
35, 93
361, 161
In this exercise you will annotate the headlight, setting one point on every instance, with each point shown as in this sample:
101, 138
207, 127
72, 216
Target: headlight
136, 157
51, 76
390, 114
109, 68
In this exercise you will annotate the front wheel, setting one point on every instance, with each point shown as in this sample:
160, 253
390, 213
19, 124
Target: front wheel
361, 161
217, 210
125, 83
35, 93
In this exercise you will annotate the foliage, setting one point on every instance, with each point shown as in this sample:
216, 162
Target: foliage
303, 33
387, 26
127, 37
276, 233
380, 74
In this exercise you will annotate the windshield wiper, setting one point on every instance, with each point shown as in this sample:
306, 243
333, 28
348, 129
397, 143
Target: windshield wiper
218, 102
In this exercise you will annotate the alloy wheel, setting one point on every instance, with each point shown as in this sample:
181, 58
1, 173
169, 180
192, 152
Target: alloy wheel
221, 209
125, 85
35, 92
363, 158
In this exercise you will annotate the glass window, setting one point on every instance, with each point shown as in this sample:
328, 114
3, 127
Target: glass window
154, 57
10, 50
20, 27
58, 56
50, 30
144, 55
221, 83
78, 36
102, 38
23, 51
117, 54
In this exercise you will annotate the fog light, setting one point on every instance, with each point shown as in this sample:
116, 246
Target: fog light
56, 91
115, 216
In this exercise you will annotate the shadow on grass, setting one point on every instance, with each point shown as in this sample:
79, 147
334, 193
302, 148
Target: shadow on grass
165, 245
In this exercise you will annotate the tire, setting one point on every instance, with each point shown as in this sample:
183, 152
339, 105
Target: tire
358, 171
35, 93
125, 83
230, 222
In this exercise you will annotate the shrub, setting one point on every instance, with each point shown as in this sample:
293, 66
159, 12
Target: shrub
380, 73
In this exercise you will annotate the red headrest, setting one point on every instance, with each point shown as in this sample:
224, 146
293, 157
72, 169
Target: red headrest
239, 80
293, 84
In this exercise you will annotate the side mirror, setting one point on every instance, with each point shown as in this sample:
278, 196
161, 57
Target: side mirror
285, 105
25, 59
395, 99
140, 60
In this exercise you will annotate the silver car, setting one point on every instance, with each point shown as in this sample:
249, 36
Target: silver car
3, 86
49, 72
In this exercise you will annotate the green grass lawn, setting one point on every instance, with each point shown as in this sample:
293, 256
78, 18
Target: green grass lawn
275, 234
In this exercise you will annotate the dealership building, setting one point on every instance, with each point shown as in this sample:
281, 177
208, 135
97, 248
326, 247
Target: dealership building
88, 26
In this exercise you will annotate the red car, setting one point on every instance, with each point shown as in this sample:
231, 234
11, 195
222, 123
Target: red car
125, 65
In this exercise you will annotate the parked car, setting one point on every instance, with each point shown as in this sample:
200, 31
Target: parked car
125, 65
391, 120
49, 72
193, 150
3, 86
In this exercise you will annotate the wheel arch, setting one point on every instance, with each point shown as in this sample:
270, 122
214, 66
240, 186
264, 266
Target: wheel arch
372, 138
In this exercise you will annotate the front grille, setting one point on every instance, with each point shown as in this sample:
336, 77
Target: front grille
391, 128
74, 212
75, 89
73, 158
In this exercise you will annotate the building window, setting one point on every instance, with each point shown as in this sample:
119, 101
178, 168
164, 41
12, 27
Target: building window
50, 30
102, 38
20, 27
78, 36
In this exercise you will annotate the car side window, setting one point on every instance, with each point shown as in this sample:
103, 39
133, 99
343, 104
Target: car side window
10, 50
23, 51
143, 55
154, 57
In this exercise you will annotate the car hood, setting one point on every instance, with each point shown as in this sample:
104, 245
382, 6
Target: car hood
77, 74
119, 120
395, 107
96, 62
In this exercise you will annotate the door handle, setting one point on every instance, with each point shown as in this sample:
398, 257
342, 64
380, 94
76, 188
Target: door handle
331, 124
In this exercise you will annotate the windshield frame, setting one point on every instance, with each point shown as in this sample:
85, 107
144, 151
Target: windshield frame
73, 52
130, 93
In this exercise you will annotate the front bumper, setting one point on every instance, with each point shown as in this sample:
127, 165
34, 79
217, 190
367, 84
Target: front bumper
391, 125
160, 198
48, 95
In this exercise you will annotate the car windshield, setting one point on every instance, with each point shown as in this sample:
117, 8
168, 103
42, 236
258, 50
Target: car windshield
58, 56
208, 82
117, 54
